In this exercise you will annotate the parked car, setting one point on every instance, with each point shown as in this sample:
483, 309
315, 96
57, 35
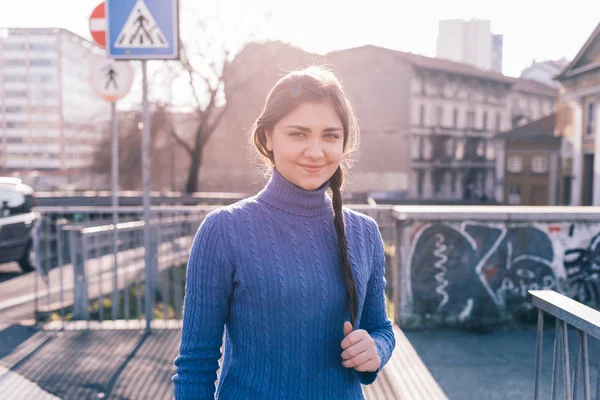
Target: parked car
17, 220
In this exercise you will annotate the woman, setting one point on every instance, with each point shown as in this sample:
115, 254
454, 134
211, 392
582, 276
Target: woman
297, 281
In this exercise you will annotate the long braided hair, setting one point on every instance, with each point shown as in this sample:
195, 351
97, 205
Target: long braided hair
316, 84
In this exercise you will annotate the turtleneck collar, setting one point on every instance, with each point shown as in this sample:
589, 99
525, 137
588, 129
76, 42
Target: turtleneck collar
285, 196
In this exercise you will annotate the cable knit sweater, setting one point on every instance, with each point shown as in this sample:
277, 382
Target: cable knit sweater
268, 270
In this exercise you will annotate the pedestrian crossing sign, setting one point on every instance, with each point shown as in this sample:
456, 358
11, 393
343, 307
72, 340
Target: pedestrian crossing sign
142, 29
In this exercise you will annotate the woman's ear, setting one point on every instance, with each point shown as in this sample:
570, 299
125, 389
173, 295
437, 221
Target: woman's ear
269, 140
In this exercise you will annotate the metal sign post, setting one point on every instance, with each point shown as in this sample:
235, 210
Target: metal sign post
144, 30
111, 80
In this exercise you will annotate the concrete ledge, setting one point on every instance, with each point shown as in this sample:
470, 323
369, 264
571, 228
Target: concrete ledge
112, 325
496, 213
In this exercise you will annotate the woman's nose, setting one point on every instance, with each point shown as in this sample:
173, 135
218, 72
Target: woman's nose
314, 150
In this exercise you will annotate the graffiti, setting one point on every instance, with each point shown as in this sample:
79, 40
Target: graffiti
582, 267
457, 268
440, 277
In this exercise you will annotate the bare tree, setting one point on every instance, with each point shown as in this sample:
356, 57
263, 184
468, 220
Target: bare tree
130, 163
205, 65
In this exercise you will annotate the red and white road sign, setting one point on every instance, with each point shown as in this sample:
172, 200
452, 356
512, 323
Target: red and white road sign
98, 24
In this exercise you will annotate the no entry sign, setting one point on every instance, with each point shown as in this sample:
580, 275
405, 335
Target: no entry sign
98, 25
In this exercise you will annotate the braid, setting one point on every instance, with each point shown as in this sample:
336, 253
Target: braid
346, 268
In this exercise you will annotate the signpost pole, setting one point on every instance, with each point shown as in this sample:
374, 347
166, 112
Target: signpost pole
115, 204
146, 187
144, 30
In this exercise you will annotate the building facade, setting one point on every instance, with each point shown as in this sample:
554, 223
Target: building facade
427, 124
470, 42
577, 121
532, 163
50, 121
531, 100
545, 71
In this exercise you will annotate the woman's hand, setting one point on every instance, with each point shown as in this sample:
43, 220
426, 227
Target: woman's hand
360, 351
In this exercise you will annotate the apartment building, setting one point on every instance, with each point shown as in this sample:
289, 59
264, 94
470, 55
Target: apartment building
545, 71
428, 125
470, 42
50, 121
532, 166
577, 122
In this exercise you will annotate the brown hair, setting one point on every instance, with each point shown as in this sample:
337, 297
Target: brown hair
315, 84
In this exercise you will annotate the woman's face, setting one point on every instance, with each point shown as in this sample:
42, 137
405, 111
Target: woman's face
307, 144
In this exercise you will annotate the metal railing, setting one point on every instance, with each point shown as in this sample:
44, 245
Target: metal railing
586, 322
94, 272
87, 264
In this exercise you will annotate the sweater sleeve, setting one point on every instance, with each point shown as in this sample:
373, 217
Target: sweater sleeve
374, 317
208, 289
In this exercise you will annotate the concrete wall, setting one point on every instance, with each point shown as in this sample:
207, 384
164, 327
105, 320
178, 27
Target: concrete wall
476, 267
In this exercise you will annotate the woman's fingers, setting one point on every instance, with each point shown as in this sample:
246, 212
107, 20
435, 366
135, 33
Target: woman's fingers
358, 360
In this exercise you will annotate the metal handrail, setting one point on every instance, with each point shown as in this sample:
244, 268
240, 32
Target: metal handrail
585, 320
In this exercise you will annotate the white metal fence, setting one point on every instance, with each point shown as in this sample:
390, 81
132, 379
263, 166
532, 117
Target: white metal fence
90, 271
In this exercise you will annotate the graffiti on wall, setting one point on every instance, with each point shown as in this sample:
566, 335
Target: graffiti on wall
582, 267
455, 268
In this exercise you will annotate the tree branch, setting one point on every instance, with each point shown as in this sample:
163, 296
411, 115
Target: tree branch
181, 142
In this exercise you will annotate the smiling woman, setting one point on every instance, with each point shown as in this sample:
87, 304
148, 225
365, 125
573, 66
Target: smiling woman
296, 279
307, 144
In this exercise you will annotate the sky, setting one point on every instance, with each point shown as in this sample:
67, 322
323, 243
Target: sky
532, 29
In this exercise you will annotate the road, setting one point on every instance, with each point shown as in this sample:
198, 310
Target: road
13, 285
494, 366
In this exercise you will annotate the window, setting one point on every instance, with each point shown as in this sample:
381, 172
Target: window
15, 93
14, 63
13, 109
514, 164
42, 78
41, 62
42, 46
420, 177
498, 121
11, 202
440, 115
452, 181
514, 194
471, 119
455, 118
460, 149
590, 118
422, 115
438, 181
485, 120
480, 150
490, 152
12, 124
449, 147
14, 46
539, 164
15, 78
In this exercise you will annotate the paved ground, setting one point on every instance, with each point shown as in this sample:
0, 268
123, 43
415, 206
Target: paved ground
493, 366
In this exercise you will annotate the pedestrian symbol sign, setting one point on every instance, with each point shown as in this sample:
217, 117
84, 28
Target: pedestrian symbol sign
110, 79
142, 29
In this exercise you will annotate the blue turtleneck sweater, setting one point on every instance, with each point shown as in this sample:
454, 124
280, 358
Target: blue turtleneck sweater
268, 270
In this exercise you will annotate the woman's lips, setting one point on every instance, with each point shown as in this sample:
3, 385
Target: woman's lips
312, 168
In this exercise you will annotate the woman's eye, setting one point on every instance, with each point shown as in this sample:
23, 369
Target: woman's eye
297, 134
332, 136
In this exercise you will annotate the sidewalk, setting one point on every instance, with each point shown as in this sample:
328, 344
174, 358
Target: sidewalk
494, 366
